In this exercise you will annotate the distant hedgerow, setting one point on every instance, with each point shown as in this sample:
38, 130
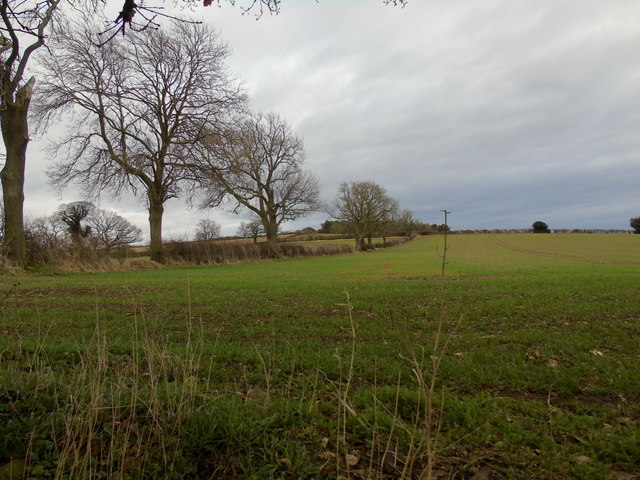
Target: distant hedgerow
209, 253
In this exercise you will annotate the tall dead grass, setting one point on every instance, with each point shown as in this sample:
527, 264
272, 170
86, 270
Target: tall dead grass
211, 253
116, 416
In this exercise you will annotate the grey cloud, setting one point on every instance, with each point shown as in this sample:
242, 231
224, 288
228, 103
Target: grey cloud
503, 111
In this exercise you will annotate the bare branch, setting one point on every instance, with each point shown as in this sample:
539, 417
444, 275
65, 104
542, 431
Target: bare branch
129, 10
258, 166
141, 106
365, 206
112, 230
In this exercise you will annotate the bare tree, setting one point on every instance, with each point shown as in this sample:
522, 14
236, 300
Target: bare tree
23, 28
251, 229
22, 32
207, 229
44, 233
365, 205
407, 223
111, 230
388, 222
258, 167
137, 107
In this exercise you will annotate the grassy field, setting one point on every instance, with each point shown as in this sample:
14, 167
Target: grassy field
322, 367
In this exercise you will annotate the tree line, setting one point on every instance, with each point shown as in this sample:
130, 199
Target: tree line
158, 115
139, 117
78, 229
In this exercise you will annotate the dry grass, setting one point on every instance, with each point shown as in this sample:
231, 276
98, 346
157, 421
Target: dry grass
211, 253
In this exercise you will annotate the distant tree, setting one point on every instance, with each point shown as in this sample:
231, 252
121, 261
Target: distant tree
423, 228
72, 215
365, 206
257, 166
407, 224
540, 227
340, 227
251, 229
207, 229
334, 226
635, 224
325, 227
110, 230
388, 224
138, 108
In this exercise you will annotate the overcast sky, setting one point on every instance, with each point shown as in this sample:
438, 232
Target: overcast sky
501, 111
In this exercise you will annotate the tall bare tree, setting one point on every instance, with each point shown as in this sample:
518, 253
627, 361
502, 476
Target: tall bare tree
23, 28
365, 206
137, 107
22, 32
258, 167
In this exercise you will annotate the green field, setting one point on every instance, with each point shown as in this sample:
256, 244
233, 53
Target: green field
322, 367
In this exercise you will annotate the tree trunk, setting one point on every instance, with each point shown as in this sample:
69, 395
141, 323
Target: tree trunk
15, 133
156, 210
274, 246
271, 230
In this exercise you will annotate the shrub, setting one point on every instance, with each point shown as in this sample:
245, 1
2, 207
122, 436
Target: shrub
540, 227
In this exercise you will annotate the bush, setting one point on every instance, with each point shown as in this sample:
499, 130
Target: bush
540, 227
45, 247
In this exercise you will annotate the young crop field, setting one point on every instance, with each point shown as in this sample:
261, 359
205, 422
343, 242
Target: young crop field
521, 362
